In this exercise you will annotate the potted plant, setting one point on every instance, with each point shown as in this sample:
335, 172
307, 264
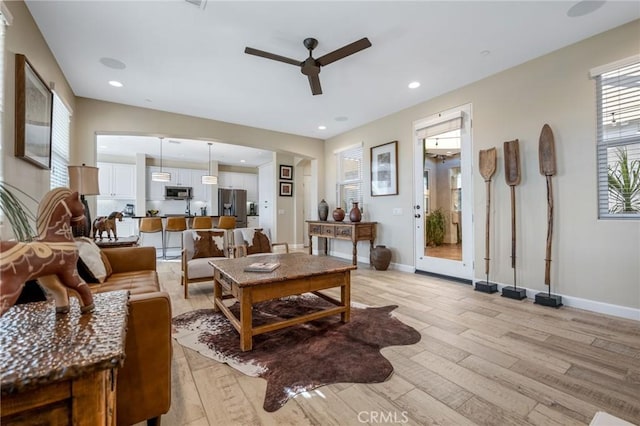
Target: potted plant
435, 227
624, 184
15, 211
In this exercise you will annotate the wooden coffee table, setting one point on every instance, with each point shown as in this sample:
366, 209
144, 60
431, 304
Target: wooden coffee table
298, 273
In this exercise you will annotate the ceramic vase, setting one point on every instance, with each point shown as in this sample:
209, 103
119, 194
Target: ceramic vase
338, 214
380, 258
323, 210
355, 215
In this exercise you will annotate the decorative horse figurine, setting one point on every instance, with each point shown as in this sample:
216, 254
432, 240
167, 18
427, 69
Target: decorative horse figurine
51, 258
106, 224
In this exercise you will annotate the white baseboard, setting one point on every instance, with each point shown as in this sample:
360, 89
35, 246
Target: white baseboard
586, 304
572, 301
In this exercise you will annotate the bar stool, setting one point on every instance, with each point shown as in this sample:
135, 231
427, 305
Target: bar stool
174, 224
202, 222
150, 225
227, 222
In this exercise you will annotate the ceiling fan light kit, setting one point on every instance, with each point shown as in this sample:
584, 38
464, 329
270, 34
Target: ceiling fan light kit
310, 66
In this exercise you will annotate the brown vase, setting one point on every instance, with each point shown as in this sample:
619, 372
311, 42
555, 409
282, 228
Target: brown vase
338, 214
355, 215
381, 257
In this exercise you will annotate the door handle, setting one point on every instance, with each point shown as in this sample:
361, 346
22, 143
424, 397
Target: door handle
417, 216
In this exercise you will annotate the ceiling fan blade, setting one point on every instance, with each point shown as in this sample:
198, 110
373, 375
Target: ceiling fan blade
314, 82
262, 53
347, 50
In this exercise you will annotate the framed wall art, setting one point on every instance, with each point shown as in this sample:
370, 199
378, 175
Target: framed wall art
286, 172
34, 107
384, 169
286, 189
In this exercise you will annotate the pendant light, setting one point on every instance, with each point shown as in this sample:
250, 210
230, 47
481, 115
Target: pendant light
210, 179
161, 176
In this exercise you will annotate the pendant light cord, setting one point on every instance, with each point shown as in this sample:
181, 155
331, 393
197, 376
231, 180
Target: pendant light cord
161, 154
210, 158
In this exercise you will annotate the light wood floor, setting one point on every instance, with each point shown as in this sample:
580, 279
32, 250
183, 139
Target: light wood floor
483, 359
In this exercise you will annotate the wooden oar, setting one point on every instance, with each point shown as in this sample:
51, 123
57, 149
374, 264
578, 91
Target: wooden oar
547, 157
487, 169
512, 176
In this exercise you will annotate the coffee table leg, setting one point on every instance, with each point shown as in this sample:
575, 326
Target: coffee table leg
246, 341
217, 294
345, 297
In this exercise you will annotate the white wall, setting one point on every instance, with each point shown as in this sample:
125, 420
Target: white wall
593, 259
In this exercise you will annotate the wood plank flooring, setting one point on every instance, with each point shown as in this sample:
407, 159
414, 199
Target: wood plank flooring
482, 360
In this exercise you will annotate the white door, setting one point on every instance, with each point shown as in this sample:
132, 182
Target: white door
443, 200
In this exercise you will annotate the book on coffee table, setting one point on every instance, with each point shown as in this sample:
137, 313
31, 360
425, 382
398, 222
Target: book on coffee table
261, 267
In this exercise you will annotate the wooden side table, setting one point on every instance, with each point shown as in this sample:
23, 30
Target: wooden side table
351, 231
120, 242
61, 368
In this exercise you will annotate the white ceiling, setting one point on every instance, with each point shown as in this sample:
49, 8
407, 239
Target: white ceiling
190, 60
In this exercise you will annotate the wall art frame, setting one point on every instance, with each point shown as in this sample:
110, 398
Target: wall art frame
34, 115
384, 169
286, 172
286, 189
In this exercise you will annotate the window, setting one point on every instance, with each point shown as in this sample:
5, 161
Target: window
618, 139
59, 143
349, 182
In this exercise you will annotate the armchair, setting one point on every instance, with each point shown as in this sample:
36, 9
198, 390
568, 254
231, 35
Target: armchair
198, 247
249, 241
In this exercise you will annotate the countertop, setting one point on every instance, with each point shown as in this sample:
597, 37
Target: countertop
170, 215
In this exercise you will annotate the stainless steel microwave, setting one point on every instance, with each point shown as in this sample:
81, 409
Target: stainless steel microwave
178, 192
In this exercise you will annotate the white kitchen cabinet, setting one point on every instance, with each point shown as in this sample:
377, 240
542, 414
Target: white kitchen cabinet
251, 185
267, 194
179, 177
253, 221
126, 228
236, 180
117, 181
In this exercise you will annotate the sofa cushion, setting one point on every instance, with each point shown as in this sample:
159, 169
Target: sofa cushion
92, 259
199, 268
208, 244
137, 282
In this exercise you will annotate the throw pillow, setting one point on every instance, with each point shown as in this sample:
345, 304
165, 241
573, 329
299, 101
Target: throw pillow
208, 244
258, 242
92, 259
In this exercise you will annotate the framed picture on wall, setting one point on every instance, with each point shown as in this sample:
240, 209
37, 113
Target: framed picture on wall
384, 169
34, 107
286, 189
286, 172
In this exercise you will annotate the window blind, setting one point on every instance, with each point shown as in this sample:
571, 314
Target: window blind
618, 141
349, 177
59, 144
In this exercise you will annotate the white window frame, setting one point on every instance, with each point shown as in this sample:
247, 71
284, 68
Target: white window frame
351, 153
618, 126
60, 141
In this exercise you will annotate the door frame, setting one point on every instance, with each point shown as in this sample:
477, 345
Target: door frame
459, 269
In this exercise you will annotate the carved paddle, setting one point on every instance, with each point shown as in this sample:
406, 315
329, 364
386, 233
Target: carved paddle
512, 176
487, 169
547, 158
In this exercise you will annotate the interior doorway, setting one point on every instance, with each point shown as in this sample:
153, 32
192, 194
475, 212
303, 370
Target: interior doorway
443, 200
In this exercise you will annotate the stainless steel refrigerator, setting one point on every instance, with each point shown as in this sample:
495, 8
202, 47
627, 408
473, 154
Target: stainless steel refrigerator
233, 202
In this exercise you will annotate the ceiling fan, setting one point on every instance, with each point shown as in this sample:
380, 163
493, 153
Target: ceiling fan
310, 66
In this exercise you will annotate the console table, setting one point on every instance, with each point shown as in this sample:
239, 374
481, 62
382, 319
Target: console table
351, 231
61, 369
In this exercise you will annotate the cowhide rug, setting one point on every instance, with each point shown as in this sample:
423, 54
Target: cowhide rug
303, 357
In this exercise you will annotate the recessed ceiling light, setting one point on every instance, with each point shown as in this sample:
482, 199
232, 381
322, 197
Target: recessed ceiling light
113, 63
414, 85
485, 53
322, 127
243, 161
102, 147
115, 83
148, 100
584, 7
341, 118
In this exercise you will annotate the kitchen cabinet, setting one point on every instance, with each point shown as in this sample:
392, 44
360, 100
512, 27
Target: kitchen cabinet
126, 228
253, 221
266, 191
179, 177
236, 180
155, 190
117, 181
